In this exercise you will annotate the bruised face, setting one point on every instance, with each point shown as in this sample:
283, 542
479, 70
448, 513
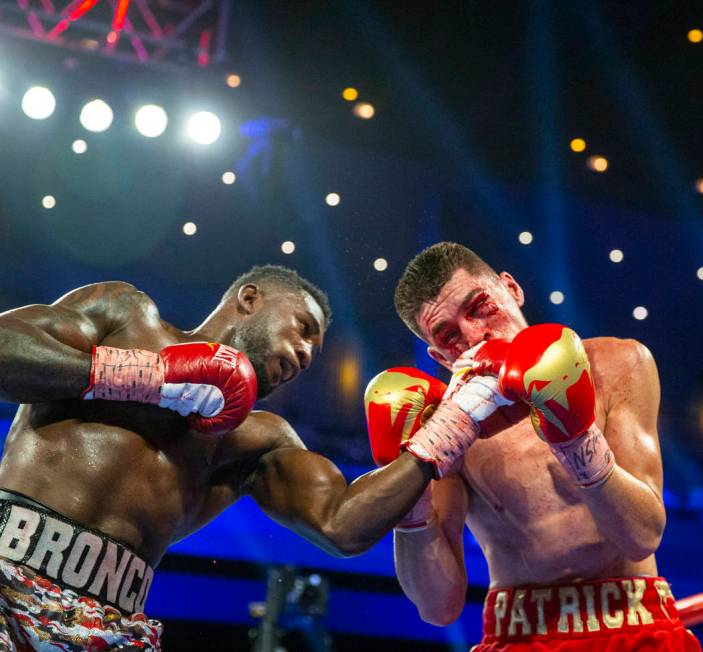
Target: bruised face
469, 309
282, 338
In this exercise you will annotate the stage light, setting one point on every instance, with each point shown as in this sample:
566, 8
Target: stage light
380, 264
233, 81
616, 256
96, 116
699, 273
556, 297
525, 238
190, 228
350, 94
695, 36
79, 146
288, 247
640, 312
699, 186
228, 178
332, 199
364, 110
38, 103
577, 145
151, 121
204, 127
597, 163
48, 201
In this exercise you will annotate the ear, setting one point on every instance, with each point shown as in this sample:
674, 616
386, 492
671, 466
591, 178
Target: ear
513, 288
438, 357
249, 298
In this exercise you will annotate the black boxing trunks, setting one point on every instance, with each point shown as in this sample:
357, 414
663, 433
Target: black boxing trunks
67, 587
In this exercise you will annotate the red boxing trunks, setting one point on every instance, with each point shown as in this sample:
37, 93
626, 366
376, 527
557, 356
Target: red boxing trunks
66, 587
630, 614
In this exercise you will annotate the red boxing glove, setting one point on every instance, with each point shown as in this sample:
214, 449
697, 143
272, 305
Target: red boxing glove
397, 402
484, 359
212, 384
547, 367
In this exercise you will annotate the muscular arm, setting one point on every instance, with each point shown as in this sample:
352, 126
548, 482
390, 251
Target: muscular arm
307, 493
430, 563
628, 508
45, 349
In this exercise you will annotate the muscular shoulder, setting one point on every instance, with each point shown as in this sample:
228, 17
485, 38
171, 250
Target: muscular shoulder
620, 365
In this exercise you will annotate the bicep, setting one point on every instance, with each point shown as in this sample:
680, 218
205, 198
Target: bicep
631, 420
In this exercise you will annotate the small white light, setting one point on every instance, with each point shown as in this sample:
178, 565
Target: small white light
38, 103
229, 177
204, 127
556, 297
525, 238
48, 201
699, 273
380, 264
190, 228
151, 121
640, 312
333, 199
616, 256
288, 247
96, 116
79, 146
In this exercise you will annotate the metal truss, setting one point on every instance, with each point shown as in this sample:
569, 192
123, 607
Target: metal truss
170, 33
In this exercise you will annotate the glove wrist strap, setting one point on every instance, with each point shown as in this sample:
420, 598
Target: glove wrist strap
125, 375
588, 458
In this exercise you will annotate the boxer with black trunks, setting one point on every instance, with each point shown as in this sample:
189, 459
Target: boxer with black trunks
568, 520
132, 434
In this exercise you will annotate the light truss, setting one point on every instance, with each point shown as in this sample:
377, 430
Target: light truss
176, 33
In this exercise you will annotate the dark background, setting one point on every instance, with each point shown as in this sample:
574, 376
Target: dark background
476, 103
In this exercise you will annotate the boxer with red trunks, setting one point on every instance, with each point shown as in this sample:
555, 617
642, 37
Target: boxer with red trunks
568, 518
132, 434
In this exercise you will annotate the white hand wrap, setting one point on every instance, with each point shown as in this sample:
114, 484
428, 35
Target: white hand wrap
588, 458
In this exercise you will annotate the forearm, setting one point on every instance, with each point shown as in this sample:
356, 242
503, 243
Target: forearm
371, 505
628, 513
430, 574
35, 367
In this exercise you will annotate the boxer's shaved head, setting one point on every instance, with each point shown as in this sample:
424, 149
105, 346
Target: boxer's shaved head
282, 278
428, 272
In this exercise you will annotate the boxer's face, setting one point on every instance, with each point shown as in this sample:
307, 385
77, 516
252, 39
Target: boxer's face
281, 338
468, 309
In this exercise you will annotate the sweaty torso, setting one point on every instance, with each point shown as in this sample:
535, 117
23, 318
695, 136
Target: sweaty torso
528, 516
135, 472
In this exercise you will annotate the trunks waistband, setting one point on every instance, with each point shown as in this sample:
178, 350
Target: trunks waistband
583, 609
74, 557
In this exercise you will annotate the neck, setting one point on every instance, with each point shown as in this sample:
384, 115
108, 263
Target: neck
219, 326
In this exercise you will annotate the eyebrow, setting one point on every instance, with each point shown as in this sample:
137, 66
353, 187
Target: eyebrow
467, 299
315, 328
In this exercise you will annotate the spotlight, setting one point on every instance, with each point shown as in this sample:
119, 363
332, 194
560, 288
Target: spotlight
525, 238
204, 127
332, 199
151, 121
233, 81
228, 178
79, 146
350, 94
597, 163
364, 110
699, 186
640, 312
556, 297
190, 228
380, 264
695, 36
288, 247
96, 116
38, 103
48, 201
699, 273
616, 256
577, 145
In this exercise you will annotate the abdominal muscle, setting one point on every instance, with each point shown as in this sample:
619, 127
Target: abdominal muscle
530, 520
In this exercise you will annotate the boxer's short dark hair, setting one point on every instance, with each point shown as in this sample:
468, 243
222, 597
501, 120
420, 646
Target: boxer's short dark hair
426, 274
283, 278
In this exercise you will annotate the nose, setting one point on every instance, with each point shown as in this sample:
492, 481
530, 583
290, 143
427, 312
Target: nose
304, 357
